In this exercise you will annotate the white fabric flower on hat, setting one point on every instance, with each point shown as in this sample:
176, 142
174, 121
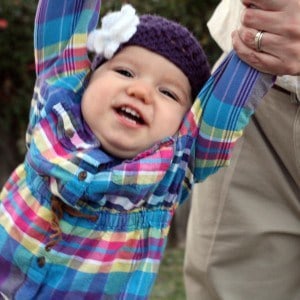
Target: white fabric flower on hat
116, 28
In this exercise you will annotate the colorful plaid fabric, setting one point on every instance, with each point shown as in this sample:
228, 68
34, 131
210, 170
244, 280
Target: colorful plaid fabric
118, 255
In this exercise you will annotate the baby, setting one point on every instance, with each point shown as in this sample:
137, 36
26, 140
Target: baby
113, 152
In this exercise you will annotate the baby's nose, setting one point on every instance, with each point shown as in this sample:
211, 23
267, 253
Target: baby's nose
141, 91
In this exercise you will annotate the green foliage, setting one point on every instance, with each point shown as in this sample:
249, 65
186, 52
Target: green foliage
16, 51
16, 65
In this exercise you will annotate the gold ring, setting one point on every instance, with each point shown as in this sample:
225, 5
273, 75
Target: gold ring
258, 40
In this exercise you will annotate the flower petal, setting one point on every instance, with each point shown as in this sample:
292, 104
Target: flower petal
116, 28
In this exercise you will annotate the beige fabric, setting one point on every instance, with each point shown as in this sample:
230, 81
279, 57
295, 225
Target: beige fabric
243, 238
224, 20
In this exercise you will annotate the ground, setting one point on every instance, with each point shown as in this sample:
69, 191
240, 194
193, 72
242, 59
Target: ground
169, 284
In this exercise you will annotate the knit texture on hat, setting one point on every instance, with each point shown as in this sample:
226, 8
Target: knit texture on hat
174, 42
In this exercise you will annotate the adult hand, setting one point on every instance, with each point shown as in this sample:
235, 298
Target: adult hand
280, 43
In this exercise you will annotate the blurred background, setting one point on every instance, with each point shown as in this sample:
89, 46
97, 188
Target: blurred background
16, 86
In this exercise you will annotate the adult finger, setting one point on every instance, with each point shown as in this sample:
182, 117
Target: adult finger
271, 5
283, 19
262, 20
269, 43
264, 62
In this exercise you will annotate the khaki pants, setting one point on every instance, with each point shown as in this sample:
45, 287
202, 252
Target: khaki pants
243, 240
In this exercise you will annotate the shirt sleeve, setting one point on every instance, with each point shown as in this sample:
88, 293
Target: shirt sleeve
221, 112
61, 58
60, 35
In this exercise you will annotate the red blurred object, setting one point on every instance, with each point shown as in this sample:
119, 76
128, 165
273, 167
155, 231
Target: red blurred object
3, 23
31, 67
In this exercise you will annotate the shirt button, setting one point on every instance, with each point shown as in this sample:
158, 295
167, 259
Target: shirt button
69, 133
41, 261
101, 168
82, 175
80, 202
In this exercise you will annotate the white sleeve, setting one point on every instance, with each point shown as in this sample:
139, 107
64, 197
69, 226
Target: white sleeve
224, 20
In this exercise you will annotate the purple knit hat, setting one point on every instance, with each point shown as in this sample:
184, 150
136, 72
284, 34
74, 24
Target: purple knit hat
160, 35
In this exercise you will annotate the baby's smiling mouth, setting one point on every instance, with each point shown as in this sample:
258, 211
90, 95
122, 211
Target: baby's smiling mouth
130, 114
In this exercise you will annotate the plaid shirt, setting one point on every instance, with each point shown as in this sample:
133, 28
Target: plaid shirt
118, 255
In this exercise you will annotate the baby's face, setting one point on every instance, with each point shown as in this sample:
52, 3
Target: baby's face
134, 100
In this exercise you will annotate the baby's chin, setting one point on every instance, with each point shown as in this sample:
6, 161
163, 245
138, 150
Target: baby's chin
121, 153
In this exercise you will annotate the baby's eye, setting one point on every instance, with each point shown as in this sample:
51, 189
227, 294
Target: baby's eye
169, 94
124, 72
